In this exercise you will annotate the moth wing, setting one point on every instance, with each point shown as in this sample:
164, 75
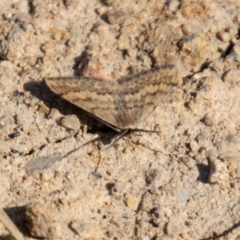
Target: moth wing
142, 94
95, 96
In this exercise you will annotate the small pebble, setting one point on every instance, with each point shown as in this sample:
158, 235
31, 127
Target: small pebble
9, 121
21, 147
86, 230
219, 173
4, 147
173, 227
194, 147
185, 194
19, 118
128, 149
54, 114
213, 153
156, 177
42, 163
224, 36
190, 28
33, 130
71, 122
209, 119
232, 76
40, 223
43, 109
115, 17
132, 201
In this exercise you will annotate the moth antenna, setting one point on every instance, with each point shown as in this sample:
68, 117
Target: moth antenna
163, 151
75, 150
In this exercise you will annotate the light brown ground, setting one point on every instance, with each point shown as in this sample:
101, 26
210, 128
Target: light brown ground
135, 192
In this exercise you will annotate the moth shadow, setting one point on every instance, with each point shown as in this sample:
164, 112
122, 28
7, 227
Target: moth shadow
41, 91
19, 218
204, 171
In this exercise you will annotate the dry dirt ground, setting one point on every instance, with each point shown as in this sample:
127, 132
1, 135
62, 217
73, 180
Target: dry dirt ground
179, 182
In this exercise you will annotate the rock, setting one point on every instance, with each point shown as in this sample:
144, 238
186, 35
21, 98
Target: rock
40, 223
54, 114
42, 163
71, 122
157, 177
4, 146
219, 173
132, 201
232, 76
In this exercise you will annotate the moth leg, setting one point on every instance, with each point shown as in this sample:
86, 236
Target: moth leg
118, 138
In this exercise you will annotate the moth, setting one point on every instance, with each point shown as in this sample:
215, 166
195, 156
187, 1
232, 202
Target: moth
123, 104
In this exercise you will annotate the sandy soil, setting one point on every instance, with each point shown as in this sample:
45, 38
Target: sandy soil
132, 190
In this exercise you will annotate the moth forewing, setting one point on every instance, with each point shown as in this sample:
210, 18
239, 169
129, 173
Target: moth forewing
121, 105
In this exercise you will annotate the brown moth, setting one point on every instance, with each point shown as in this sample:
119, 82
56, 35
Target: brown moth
123, 104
